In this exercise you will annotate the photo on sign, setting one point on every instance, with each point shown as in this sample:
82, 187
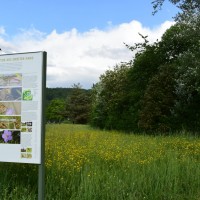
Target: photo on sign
10, 108
26, 127
10, 122
11, 79
28, 149
11, 94
23, 155
23, 150
29, 155
9, 137
27, 95
26, 155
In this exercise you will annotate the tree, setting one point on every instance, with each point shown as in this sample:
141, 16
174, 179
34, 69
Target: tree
175, 41
56, 111
108, 98
187, 110
162, 78
78, 104
171, 94
144, 67
158, 101
189, 9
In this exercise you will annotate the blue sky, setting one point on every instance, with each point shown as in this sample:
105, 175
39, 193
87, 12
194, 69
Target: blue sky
83, 38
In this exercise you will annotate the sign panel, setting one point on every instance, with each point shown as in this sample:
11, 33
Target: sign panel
22, 83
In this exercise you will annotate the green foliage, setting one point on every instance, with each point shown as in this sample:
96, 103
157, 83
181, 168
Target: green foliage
109, 98
188, 8
68, 104
158, 100
159, 91
162, 95
98, 108
57, 93
78, 105
144, 67
175, 41
187, 108
56, 111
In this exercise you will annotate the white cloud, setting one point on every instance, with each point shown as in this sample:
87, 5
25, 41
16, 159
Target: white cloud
2, 30
82, 57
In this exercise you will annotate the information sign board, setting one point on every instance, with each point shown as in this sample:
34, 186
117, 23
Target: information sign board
22, 85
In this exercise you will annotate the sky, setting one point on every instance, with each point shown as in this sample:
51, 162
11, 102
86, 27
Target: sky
82, 38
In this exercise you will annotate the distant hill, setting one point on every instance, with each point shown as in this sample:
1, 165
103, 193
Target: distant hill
58, 93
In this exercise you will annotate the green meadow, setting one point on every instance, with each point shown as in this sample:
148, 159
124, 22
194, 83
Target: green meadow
88, 164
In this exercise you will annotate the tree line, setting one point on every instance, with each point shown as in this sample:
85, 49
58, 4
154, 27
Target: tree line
157, 91
70, 105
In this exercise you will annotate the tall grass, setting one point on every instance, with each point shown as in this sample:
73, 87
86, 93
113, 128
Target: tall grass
87, 164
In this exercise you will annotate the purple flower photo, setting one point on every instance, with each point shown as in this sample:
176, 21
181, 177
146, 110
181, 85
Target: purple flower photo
7, 136
10, 111
10, 137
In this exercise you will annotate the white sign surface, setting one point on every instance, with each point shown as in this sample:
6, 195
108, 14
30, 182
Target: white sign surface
21, 97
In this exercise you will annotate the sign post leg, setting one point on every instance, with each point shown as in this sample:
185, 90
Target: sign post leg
41, 181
